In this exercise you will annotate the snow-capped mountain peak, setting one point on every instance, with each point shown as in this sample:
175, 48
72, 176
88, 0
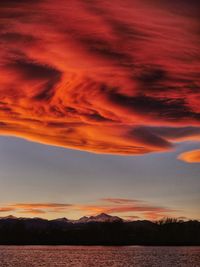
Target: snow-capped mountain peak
103, 217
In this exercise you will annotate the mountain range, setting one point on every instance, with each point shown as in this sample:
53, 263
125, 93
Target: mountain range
103, 217
102, 229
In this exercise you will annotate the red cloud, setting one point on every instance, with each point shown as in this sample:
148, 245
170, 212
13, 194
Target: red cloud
119, 77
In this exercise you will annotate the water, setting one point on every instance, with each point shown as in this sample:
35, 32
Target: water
83, 256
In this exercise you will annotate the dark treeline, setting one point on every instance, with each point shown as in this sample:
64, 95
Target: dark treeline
59, 232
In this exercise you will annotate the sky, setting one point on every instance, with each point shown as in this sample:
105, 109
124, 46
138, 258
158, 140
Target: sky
36, 174
99, 108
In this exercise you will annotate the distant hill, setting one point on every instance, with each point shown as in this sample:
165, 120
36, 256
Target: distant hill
102, 229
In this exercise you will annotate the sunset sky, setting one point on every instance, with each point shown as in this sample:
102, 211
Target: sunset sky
100, 108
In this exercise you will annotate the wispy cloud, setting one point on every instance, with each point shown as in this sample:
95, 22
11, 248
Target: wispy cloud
39, 208
41, 205
33, 211
123, 206
117, 206
6, 209
119, 200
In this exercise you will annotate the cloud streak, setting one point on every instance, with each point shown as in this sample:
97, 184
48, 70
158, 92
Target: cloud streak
6, 209
39, 208
126, 208
120, 206
120, 77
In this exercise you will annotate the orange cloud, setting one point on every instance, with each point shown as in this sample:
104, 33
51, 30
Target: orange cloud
119, 206
119, 77
6, 209
40, 208
33, 211
190, 156
124, 206
41, 205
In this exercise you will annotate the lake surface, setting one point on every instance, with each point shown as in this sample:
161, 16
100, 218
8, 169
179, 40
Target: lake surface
84, 256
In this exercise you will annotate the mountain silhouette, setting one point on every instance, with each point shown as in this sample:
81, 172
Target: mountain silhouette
102, 229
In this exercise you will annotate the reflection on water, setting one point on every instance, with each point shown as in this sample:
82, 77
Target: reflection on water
79, 256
